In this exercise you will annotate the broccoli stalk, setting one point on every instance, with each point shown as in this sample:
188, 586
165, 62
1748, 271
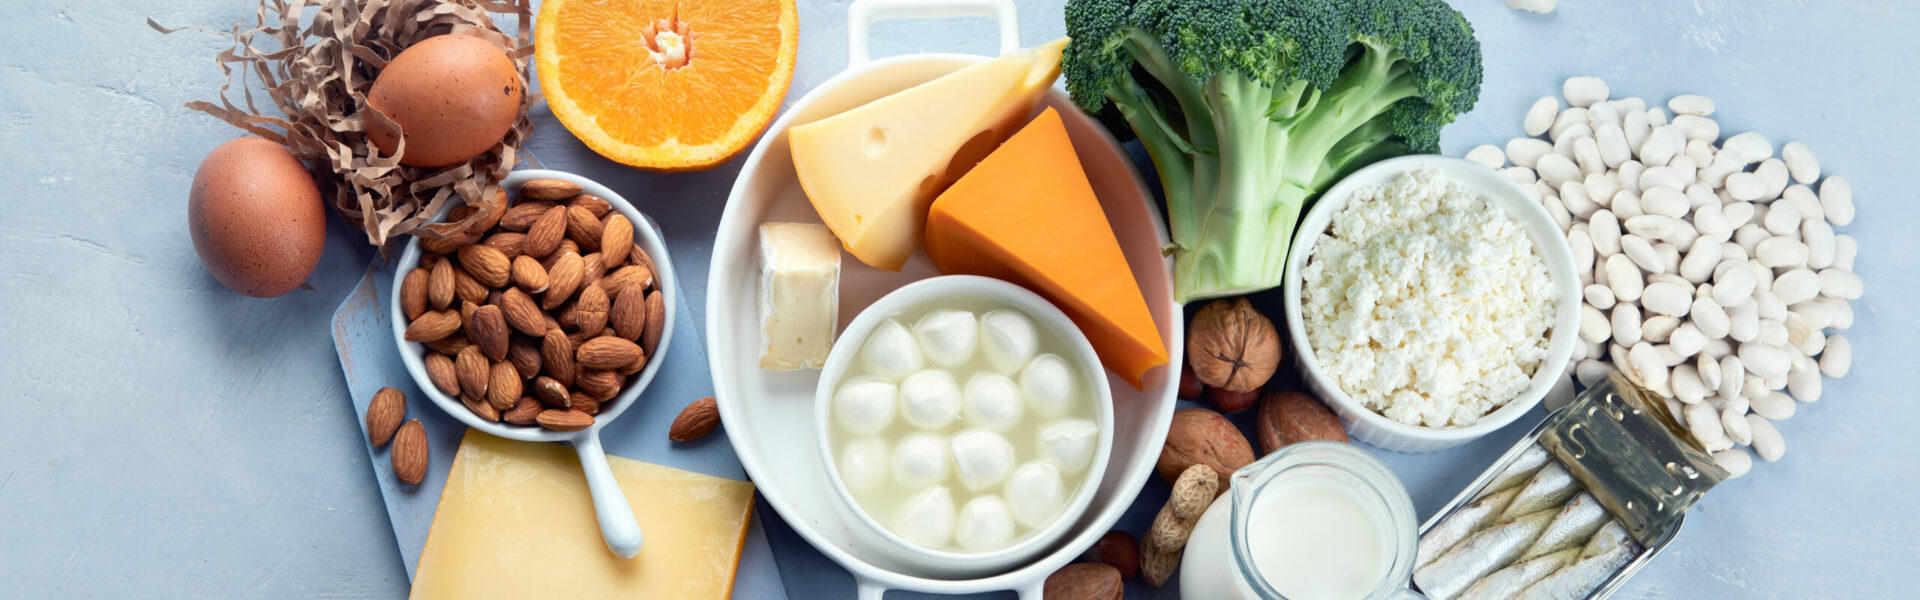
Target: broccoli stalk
1249, 109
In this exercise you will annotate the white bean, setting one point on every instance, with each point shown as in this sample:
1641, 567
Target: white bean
1781, 252
1766, 440
1603, 113
1601, 187
1700, 152
1521, 175
1844, 249
1636, 127
1711, 223
1687, 386
1670, 253
1774, 172
1658, 328
1743, 321
1611, 141
1584, 91
1801, 162
1836, 198
1704, 422
1840, 283
1756, 387
1624, 278
1586, 154
1652, 226
1838, 357
1773, 332
1767, 304
1599, 297
1605, 230
1697, 127
1724, 163
1804, 200
1629, 175
1804, 385
1783, 218
1687, 340
1626, 204
1488, 155
1641, 252
1775, 406
1708, 369
1710, 318
1568, 119
1581, 243
1746, 187
1733, 376
1736, 461
1753, 147
1626, 327
1540, 116
1766, 361
1656, 117
1739, 214
1648, 364
1590, 371
1842, 316
1526, 152
1733, 287
1662, 144
1697, 267
1556, 169
1667, 299
1797, 285
1558, 211
1593, 325
1573, 195
1690, 104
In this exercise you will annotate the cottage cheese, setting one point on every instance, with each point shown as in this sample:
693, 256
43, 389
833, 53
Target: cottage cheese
1426, 303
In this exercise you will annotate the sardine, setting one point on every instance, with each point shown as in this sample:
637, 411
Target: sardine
1483, 553
1610, 549
1548, 489
1464, 522
1517, 472
1507, 583
1571, 528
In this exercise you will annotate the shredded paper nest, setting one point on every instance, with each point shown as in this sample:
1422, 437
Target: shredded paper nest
319, 74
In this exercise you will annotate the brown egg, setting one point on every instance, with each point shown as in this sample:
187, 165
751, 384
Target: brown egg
256, 217
454, 95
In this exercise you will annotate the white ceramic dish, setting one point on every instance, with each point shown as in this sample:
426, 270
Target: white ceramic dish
1371, 427
767, 412
932, 292
617, 526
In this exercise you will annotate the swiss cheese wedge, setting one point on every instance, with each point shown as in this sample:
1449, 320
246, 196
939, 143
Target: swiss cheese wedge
872, 170
516, 521
1027, 215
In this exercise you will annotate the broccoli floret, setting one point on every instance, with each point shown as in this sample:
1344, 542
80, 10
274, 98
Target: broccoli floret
1250, 108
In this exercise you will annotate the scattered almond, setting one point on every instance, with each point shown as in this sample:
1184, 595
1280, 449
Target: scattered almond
440, 371
488, 330
544, 236
695, 421
473, 370
413, 294
410, 453
433, 325
616, 238
384, 414
524, 411
529, 275
520, 312
503, 386
564, 420
549, 190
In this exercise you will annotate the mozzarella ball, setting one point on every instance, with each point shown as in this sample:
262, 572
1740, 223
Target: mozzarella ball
1047, 385
1034, 493
1070, 443
991, 400
927, 517
890, 352
863, 464
865, 405
948, 337
985, 524
1007, 339
920, 460
930, 399
982, 458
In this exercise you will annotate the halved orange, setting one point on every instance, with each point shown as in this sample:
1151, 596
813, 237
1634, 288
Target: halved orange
666, 85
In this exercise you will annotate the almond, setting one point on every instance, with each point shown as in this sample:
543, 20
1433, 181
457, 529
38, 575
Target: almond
543, 237
440, 371
551, 190
445, 244
636, 366
594, 204
473, 370
487, 264
551, 322
592, 267
622, 278
590, 311
488, 330
639, 256
566, 246
656, 322
607, 352
490, 212
521, 216
514, 245
583, 228
469, 289
413, 294
564, 420
551, 392
584, 403
695, 421
524, 411
597, 383
629, 314
433, 325
525, 355
520, 312
556, 350
529, 275
503, 386
480, 407
384, 414
410, 453
567, 318
616, 239
450, 345
440, 285
563, 279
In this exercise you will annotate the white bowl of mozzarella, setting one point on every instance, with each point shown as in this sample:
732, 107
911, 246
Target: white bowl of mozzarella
967, 421
1495, 303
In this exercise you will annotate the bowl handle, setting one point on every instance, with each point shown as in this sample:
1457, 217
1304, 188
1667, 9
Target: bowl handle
863, 13
617, 526
1033, 591
868, 589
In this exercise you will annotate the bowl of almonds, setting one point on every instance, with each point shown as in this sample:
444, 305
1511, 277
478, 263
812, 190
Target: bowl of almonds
543, 324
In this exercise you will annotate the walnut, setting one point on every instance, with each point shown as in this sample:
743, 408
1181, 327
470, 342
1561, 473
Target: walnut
1230, 345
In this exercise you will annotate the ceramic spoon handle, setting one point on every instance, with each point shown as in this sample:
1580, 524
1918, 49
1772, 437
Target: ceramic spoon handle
617, 525
863, 13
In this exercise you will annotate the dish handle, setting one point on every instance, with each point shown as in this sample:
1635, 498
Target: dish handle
863, 13
868, 589
618, 528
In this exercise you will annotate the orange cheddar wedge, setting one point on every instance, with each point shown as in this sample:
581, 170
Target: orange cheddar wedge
1026, 214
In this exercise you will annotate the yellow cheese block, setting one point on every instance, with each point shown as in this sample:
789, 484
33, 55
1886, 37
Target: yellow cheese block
872, 171
516, 521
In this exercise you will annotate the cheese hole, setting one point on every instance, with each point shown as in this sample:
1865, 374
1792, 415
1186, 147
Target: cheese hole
875, 142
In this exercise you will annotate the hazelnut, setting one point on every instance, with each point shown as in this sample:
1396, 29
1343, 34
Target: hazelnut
1231, 345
